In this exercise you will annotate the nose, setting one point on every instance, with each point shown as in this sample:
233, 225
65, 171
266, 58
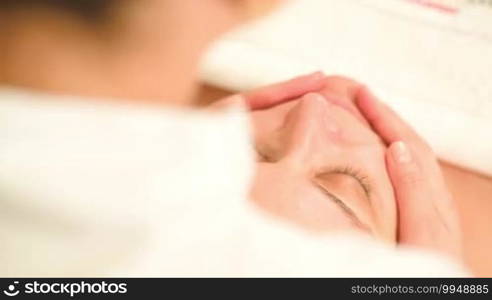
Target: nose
307, 124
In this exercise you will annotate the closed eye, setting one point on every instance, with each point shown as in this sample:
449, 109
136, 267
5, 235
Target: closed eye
346, 210
357, 175
347, 188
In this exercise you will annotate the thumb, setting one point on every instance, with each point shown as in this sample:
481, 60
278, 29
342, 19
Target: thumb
407, 179
425, 218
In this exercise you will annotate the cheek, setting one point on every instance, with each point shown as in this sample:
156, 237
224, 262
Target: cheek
264, 124
294, 199
267, 126
383, 201
271, 187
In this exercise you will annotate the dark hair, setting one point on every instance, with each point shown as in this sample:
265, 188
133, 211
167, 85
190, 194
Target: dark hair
93, 10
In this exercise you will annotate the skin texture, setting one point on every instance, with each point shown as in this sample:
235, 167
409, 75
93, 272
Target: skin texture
310, 147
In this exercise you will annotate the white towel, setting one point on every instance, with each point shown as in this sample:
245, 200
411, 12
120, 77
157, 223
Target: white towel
432, 65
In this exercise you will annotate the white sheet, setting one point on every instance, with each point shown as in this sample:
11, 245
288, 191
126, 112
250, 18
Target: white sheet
433, 67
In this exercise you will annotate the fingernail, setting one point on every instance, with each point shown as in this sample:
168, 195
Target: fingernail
401, 153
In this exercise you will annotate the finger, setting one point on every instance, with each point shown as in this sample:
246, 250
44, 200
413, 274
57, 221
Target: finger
408, 181
285, 91
385, 122
426, 218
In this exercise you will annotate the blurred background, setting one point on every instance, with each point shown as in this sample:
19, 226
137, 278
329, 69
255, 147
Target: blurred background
431, 60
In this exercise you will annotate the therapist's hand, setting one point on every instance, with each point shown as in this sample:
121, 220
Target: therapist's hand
428, 217
279, 93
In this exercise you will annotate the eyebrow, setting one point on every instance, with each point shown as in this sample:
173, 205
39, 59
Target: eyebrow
347, 210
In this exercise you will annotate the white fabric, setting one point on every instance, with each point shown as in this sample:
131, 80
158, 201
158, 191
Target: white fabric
433, 67
95, 189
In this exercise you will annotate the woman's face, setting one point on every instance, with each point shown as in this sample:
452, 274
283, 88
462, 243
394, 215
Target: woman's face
321, 166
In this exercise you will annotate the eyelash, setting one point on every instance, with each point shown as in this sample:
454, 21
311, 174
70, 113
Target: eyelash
348, 170
356, 173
